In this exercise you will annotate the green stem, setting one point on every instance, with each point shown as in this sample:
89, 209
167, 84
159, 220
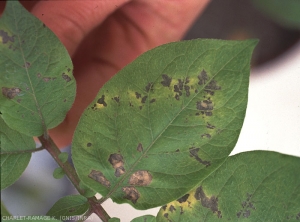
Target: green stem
70, 172
23, 151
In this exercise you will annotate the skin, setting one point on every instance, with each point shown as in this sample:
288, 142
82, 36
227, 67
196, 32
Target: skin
105, 35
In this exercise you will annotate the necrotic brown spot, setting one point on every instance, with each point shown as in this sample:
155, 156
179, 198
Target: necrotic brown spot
206, 135
183, 199
101, 100
187, 90
10, 93
139, 147
5, 37
194, 153
166, 80
131, 193
205, 105
117, 99
152, 100
116, 160
211, 203
27, 65
140, 178
99, 177
149, 87
202, 77
66, 77
144, 99
138, 95
89, 144
46, 79
209, 126
172, 208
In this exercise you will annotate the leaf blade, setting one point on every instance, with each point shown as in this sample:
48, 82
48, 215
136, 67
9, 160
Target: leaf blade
13, 165
71, 205
155, 134
256, 185
36, 79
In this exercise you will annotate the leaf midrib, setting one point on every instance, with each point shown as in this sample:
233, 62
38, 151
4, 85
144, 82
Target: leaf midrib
28, 75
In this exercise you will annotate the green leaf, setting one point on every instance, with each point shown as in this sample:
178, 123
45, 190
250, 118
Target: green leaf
13, 164
87, 191
63, 157
4, 211
58, 173
252, 186
284, 12
114, 219
72, 205
36, 73
146, 218
164, 122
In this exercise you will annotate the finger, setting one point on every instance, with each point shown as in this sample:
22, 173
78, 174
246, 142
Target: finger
71, 21
164, 21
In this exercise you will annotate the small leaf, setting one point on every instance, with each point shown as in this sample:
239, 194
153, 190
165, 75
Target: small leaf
114, 219
13, 165
87, 191
36, 82
63, 157
58, 173
146, 218
164, 122
284, 12
252, 186
72, 205
4, 211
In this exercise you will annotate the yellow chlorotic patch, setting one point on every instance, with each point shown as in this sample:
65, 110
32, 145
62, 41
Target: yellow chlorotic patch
99, 106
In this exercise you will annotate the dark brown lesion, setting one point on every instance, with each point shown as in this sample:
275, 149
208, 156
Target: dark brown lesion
117, 99
203, 78
149, 87
116, 160
99, 177
131, 193
66, 77
5, 37
183, 198
140, 147
205, 106
10, 93
138, 95
140, 178
208, 202
166, 80
194, 153
102, 100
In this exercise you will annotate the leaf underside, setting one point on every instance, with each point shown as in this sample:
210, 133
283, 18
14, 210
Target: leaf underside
36, 82
251, 186
164, 122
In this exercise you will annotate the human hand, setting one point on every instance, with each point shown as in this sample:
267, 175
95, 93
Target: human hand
105, 35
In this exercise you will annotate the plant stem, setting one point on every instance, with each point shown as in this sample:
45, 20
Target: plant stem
70, 172
23, 151
98, 209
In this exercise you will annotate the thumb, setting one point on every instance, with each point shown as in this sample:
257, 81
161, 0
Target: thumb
71, 21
